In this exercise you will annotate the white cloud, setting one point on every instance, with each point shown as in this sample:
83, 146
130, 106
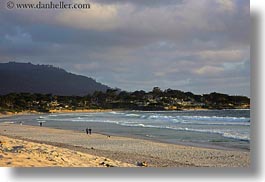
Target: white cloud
227, 5
19, 37
99, 17
209, 70
222, 55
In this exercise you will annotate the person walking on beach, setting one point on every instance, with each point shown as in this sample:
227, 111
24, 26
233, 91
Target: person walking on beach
40, 124
90, 131
87, 131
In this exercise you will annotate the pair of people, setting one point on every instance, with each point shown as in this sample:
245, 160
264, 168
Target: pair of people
88, 131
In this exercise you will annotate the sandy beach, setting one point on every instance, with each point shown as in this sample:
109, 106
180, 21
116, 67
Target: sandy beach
23, 145
21, 153
9, 114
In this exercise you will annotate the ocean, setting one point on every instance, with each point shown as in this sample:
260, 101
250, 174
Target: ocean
223, 129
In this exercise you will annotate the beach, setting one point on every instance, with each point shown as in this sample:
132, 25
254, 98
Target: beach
33, 146
10, 114
21, 153
31, 112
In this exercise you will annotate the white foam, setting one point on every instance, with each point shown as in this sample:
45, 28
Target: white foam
132, 115
226, 134
236, 126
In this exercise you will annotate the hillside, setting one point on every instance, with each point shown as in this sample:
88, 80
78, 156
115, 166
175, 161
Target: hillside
44, 79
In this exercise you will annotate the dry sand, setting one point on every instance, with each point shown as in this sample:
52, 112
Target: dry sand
9, 114
79, 110
19, 153
121, 151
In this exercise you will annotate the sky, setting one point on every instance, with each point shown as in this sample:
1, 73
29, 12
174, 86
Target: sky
199, 46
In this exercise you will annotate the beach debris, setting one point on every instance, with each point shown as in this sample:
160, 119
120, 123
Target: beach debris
9, 122
142, 164
15, 149
106, 164
49, 158
109, 165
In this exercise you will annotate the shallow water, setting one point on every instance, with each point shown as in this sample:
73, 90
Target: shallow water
214, 128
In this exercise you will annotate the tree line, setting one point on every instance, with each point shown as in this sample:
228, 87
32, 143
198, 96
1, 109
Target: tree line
156, 99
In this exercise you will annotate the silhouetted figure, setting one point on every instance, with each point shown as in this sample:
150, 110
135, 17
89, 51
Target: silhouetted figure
87, 131
40, 124
90, 131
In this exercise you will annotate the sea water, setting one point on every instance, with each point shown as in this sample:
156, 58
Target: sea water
208, 128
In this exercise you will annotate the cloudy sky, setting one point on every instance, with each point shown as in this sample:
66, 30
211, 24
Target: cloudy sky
192, 45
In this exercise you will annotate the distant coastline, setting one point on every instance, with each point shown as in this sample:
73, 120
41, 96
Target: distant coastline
114, 99
10, 114
4, 114
42, 90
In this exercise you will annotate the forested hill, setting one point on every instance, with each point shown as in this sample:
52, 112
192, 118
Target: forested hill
44, 79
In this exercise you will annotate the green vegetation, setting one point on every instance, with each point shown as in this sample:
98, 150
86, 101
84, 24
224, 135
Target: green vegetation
116, 99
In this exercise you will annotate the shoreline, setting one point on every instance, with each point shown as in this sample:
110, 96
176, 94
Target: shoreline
23, 113
79, 111
188, 144
128, 150
4, 114
10, 114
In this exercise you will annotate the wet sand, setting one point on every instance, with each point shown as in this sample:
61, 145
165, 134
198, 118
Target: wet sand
121, 151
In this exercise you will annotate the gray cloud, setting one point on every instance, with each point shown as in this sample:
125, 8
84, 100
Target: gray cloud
199, 46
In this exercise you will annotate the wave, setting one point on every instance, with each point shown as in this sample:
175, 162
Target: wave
196, 118
236, 126
226, 134
160, 116
132, 115
215, 118
137, 118
214, 123
52, 115
116, 113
